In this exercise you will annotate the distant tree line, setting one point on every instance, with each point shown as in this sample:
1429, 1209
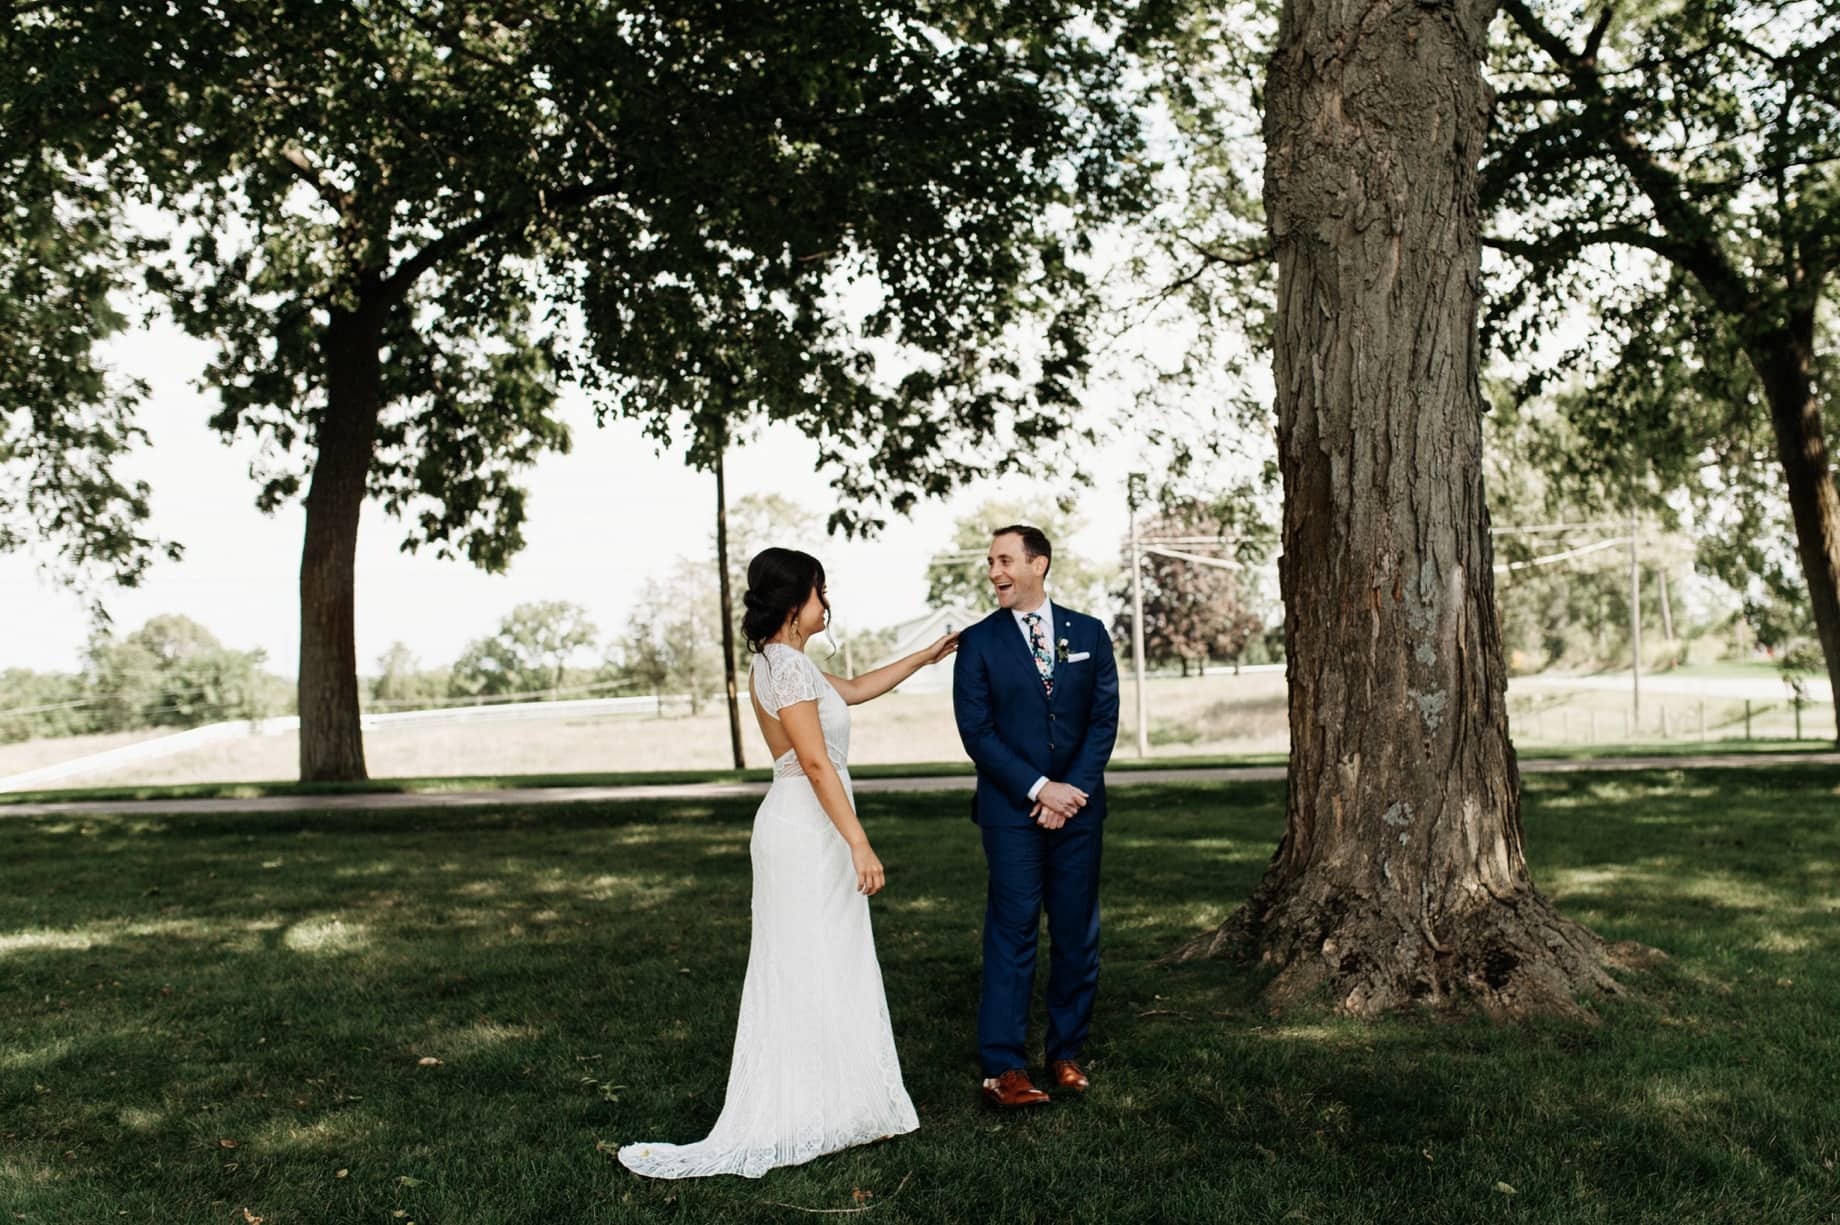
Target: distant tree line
172, 672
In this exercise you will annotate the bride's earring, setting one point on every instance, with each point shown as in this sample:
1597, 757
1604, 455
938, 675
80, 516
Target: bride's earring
795, 629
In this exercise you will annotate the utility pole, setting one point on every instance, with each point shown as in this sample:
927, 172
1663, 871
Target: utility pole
1635, 630
1134, 492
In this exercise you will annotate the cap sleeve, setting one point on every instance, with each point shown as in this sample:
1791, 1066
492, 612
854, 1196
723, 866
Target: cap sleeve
784, 676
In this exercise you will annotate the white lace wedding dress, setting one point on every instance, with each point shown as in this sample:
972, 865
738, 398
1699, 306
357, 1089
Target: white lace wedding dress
814, 1068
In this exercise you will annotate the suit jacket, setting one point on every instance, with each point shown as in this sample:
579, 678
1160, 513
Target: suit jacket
1015, 733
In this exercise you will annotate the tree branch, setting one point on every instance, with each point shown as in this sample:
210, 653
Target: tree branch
1694, 247
1244, 259
1595, 39
1570, 243
296, 160
395, 285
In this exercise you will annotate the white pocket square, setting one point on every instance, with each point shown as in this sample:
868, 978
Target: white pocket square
1079, 656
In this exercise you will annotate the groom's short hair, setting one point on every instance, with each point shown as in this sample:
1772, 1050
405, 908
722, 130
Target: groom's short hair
1034, 541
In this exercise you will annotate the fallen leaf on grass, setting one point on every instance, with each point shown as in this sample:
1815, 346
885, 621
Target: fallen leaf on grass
342, 1174
250, 1218
861, 1196
1504, 1188
227, 1144
427, 1061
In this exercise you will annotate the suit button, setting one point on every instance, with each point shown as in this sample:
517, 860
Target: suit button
1050, 745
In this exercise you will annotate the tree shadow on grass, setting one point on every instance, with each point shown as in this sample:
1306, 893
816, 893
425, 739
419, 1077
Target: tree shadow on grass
279, 981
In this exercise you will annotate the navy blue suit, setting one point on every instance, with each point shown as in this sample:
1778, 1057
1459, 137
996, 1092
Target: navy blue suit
1015, 734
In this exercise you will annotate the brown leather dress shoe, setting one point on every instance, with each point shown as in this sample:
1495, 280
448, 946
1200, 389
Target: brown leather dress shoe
1013, 1089
1065, 1074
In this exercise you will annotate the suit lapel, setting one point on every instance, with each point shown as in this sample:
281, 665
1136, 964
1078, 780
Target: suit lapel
1003, 622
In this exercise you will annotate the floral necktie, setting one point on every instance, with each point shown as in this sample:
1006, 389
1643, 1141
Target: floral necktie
1038, 646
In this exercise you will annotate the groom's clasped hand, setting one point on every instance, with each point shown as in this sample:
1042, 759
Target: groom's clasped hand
1056, 804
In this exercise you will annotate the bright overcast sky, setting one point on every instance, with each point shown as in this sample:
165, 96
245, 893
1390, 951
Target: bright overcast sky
602, 519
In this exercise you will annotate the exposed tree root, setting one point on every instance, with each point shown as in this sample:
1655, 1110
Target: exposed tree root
1512, 957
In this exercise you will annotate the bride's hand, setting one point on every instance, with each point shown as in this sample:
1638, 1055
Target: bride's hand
869, 875
944, 647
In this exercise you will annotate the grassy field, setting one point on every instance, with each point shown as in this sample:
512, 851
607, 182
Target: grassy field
449, 1017
1215, 717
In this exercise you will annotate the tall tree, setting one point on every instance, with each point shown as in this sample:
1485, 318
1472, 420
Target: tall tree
35, 704
1401, 876
66, 419
529, 652
671, 637
759, 520
377, 198
359, 187
1194, 611
402, 681
726, 611
956, 575
1694, 147
173, 672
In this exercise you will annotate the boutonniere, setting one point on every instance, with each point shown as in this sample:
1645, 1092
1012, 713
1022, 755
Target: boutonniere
1060, 651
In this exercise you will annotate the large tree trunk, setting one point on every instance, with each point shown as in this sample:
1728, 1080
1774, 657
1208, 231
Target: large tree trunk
1401, 876
331, 740
1814, 504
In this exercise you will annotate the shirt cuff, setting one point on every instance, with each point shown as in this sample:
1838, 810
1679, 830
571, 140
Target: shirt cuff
1036, 789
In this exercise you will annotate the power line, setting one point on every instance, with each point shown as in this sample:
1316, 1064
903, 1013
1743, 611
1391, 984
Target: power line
1555, 558
1536, 528
50, 706
1221, 563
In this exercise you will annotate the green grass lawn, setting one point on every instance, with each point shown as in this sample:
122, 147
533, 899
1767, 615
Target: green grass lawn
205, 1015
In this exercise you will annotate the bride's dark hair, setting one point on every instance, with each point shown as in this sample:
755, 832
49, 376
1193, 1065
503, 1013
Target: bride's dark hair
779, 583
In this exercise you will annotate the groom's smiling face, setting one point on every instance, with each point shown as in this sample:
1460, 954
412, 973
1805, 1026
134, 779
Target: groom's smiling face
1017, 577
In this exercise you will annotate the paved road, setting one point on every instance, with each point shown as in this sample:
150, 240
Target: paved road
385, 801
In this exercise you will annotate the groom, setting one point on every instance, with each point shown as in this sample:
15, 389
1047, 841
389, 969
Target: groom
1035, 693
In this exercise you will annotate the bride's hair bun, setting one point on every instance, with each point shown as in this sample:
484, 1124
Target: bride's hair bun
779, 582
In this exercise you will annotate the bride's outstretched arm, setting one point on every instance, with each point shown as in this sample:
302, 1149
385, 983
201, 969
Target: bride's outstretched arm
800, 719
857, 690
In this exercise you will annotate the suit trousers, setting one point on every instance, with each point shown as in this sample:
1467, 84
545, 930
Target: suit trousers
1034, 869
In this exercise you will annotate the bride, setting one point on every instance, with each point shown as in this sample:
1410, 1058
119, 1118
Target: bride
814, 1068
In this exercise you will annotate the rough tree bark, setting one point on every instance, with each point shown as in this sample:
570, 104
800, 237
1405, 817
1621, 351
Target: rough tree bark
1401, 875
1787, 371
331, 740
